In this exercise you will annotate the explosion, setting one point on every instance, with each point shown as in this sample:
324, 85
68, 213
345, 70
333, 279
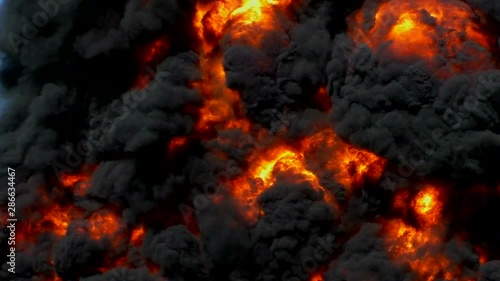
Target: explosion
239, 18
430, 29
427, 206
348, 165
421, 246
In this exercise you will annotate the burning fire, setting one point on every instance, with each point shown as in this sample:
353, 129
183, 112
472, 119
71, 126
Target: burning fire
69, 180
103, 224
422, 247
262, 174
238, 15
137, 236
150, 55
242, 19
349, 166
427, 206
222, 106
55, 219
317, 277
79, 182
424, 29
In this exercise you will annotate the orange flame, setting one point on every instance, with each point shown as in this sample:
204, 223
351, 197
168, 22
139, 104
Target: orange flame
222, 105
137, 236
350, 166
54, 219
242, 19
322, 100
422, 248
317, 277
69, 180
149, 57
176, 143
427, 206
483, 257
103, 224
59, 218
416, 28
278, 161
79, 182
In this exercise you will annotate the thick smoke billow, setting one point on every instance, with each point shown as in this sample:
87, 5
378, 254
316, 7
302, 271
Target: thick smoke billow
365, 257
283, 74
402, 111
250, 140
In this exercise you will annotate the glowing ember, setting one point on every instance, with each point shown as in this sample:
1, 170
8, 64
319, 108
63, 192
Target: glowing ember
79, 182
155, 50
401, 201
322, 100
103, 224
59, 219
54, 219
317, 277
69, 180
427, 206
137, 236
424, 29
483, 257
54, 278
149, 57
176, 143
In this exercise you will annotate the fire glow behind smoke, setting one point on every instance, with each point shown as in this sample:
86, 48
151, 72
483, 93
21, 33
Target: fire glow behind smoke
421, 246
428, 29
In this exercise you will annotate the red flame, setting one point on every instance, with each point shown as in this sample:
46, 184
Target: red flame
79, 182
317, 277
137, 236
428, 206
322, 100
151, 55
103, 223
54, 219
